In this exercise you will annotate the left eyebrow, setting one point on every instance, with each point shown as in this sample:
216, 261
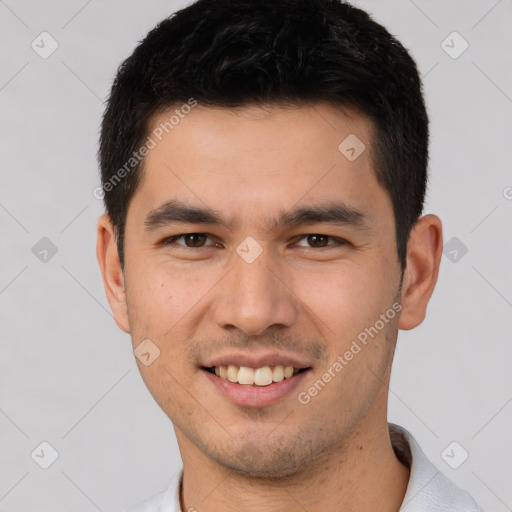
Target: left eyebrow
337, 213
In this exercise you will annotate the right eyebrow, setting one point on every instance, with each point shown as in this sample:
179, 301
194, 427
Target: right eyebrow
175, 211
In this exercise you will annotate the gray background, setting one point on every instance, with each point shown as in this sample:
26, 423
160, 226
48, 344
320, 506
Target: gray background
68, 375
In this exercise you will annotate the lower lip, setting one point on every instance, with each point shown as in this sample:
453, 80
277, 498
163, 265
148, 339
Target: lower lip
256, 396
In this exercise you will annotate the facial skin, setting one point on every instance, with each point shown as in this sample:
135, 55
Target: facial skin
296, 298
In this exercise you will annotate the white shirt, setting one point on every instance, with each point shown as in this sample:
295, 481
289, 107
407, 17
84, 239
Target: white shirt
428, 489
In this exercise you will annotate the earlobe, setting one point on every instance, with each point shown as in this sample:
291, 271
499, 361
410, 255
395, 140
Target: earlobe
112, 272
424, 251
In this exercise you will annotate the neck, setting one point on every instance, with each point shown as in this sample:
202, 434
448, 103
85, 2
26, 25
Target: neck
362, 473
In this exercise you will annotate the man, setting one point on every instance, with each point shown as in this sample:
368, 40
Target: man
264, 170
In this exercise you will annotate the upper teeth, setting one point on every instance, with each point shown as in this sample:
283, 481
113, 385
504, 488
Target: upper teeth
259, 376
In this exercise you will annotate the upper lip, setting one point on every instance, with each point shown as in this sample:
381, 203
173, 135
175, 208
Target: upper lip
257, 360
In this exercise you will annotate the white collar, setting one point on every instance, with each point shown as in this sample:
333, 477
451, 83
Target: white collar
428, 489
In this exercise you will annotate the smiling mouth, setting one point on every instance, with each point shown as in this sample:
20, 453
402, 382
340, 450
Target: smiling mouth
245, 375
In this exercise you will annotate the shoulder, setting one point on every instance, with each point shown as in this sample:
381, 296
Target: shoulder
428, 489
167, 501
152, 504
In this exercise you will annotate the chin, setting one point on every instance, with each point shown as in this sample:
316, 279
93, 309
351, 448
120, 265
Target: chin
255, 461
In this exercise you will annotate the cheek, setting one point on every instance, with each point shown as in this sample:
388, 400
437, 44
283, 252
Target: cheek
150, 300
345, 299
159, 297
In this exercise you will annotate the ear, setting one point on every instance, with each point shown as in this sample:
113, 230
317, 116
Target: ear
112, 272
424, 251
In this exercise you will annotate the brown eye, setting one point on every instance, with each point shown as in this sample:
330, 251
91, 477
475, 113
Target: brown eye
192, 240
318, 241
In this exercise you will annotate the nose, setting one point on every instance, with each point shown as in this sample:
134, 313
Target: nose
255, 297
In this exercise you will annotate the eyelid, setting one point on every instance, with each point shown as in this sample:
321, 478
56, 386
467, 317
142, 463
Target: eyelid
172, 240
338, 241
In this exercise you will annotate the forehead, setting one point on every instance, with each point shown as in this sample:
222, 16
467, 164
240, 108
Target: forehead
207, 132
255, 160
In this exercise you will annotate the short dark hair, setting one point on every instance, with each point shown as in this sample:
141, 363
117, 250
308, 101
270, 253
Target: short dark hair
231, 53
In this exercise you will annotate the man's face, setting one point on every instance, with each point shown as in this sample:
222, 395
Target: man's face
263, 290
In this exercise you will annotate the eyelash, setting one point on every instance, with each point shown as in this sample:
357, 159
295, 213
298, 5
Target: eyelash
171, 240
